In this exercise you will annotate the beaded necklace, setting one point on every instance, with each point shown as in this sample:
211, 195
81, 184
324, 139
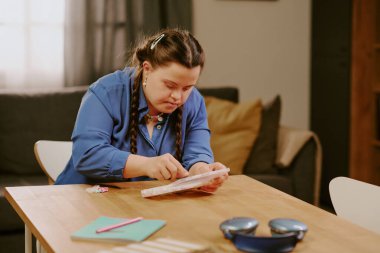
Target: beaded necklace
155, 118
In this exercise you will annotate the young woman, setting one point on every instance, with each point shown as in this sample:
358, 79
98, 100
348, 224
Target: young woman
147, 121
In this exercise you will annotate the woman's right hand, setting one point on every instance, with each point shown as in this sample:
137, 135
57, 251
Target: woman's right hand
164, 167
159, 167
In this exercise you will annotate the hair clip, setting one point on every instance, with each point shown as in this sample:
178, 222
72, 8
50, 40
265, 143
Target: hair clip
154, 43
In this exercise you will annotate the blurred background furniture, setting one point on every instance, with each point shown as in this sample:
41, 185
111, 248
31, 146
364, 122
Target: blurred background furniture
27, 116
356, 201
52, 156
297, 174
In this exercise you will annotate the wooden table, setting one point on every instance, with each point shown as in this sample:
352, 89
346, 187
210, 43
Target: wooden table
53, 213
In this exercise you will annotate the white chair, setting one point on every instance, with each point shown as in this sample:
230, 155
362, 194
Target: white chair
52, 156
356, 201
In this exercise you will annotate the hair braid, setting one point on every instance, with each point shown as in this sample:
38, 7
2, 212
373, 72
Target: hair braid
134, 116
178, 130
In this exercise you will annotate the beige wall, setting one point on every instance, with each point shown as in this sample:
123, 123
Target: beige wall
262, 47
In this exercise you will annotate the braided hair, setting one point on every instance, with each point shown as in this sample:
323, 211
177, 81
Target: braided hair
167, 46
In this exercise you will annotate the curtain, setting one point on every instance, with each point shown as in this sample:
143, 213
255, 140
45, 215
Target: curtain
31, 43
166, 13
100, 34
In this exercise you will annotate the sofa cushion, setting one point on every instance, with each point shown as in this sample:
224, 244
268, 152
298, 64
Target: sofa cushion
234, 129
263, 154
227, 93
280, 182
27, 116
10, 221
13, 242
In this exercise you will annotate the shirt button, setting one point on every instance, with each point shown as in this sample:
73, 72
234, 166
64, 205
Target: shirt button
159, 127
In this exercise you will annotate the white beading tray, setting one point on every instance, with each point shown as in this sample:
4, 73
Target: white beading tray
185, 183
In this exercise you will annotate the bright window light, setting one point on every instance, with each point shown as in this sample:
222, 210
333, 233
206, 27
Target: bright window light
31, 35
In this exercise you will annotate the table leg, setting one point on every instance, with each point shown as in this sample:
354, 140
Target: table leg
28, 240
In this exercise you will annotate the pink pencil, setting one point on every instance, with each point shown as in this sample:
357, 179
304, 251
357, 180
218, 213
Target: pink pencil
101, 230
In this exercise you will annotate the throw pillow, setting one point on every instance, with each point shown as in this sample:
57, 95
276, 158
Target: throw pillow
234, 129
262, 157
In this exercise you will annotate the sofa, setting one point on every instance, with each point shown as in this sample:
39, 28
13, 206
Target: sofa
27, 116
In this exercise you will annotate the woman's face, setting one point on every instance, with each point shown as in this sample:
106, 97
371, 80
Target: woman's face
168, 87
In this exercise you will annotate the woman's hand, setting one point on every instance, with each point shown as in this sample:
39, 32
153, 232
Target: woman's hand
165, 167
159, 167
201, 167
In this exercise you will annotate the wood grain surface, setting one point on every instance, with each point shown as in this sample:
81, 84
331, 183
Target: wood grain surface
53, 213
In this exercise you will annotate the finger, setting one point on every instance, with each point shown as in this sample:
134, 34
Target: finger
158, 176
181, 171
208, 189
221, 179
172, 169
217, 182
176, 163
216, 166
214, 185
165, 173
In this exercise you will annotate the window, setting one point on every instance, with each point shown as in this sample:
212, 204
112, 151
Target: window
31, 35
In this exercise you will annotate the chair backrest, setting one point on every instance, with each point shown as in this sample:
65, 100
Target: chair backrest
356, 201
52, 156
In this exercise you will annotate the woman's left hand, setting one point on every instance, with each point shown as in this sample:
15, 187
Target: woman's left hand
201, 167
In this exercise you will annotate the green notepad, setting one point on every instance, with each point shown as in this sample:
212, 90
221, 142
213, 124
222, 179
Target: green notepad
133, 232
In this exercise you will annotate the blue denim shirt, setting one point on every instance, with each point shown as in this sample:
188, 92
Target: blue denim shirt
101, 145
